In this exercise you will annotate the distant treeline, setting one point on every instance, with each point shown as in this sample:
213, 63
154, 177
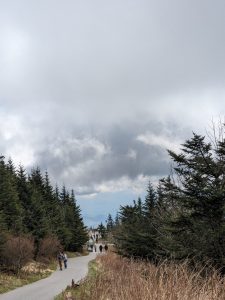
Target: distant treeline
34, 213
184, 217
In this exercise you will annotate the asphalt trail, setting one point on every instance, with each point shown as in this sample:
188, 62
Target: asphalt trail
48, 288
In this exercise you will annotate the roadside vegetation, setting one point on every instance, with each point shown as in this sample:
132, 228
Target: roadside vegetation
171, 244
31, 272
120, 278
183, 216
18, 266
36, 221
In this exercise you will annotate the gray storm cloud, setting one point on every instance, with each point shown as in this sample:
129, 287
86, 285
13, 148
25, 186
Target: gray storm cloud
95, 56
80, 80
88, 163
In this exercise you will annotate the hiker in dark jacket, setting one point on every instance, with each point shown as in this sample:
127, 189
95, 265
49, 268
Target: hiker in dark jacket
64, 256
60, 260
100, 248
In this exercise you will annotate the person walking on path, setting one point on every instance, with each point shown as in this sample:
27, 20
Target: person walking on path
64, 255
106, 247
100, 248
48, 288
60, 259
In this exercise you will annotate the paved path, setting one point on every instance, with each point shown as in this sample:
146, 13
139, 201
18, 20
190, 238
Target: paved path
48, 288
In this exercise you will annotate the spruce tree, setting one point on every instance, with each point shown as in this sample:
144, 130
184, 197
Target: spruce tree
10, 208
109, 223
150, 223
79, 231
39, 224
30, 205
52, 206
102, 230
75, 231
24, 196
150, 201
129, 235
198, 227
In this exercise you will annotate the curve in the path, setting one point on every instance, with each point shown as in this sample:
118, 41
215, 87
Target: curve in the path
48, 288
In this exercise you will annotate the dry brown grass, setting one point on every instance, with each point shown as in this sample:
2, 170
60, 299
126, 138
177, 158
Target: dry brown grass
35, 267
123, 279
31, 272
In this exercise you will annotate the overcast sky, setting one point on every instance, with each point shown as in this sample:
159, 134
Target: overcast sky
96, 91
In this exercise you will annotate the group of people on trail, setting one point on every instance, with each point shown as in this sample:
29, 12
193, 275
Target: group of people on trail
62, 256
101, 248
62, 259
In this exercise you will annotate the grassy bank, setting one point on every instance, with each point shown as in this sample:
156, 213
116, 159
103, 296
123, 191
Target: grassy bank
123, 279
31, 272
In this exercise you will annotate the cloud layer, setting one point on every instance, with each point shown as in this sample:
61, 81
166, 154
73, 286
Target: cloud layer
96, 91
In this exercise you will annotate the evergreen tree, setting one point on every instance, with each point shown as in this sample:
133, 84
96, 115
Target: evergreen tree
52, 206
102, 230
198, 227
75, 231
39, 224
10, 207
150, 201
24, 196
81, 228
130, 234
29, 205
11, 168
66, 214
117, 220
109, 223
150, 235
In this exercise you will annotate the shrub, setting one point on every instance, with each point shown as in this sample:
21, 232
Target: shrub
16, 252
49, 247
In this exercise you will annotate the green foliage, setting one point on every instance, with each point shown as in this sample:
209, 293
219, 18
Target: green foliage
102, 230
74, 223
185, 216
10, 207
109, 223
30, 205
136, 235
198, 229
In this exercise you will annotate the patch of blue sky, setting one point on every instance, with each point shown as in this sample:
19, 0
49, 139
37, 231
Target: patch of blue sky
96, 209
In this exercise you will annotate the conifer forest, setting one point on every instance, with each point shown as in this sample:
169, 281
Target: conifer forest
36, 219
183, 218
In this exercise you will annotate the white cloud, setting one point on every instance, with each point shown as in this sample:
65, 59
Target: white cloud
165, 142
124, 183
16, 140
74, 76
132, 154
79, 145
